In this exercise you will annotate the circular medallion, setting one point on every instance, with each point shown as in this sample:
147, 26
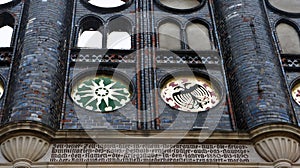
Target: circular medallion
296, 93
191, 94
101, 93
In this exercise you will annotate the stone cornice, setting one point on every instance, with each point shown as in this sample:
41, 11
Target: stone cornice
26, 128
271, 130
194, 136
151, 136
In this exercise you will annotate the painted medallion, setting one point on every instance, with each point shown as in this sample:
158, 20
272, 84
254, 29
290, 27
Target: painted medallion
296, 93
101, 93
189, 94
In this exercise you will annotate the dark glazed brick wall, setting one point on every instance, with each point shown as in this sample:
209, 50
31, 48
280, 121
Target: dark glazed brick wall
256, 80
125, 118
292, 74
76, 117
37, 79
6, 53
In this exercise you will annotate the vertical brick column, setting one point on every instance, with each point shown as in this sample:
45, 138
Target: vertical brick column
37, 79
256, 81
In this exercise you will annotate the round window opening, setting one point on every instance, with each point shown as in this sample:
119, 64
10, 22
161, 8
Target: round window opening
289, 6
296, 93
107, 3
180, 4
190, 94
101, 93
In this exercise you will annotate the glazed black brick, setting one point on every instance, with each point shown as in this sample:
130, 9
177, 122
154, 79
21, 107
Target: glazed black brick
38, 76
292, 75
37, 86
16, 12
252, 64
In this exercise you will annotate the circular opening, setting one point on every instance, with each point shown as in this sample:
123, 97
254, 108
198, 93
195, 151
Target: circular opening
107, 3
289, 6
296, 93
101, 92
105, 6
180, 5
189, 93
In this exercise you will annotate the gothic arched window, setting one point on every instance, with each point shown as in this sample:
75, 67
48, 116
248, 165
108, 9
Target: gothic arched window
6, 29
288, 39
119, 34
169, 36
90, 33
198, 37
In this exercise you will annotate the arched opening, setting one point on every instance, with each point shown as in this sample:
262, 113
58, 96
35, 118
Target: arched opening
90, 33
198, 37
107, 3
119, 34
290, 6
6, 29
179, 4
4, 1
169, 36
288, 39
6, 36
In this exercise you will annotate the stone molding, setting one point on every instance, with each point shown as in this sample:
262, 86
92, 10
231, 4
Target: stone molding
24, 149
282, 151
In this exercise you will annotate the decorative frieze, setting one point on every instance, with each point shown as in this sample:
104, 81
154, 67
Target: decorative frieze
188, 57
290, 61
128, 56
102, 56
140, 153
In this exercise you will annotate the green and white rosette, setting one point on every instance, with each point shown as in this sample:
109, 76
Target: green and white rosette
101, 94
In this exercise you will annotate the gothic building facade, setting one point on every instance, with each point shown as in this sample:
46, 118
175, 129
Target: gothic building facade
155, 83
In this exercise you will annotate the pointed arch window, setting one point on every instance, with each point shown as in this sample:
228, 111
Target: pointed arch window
198, 37
119, 34
91, 33
6, 29
169, 36
288, 39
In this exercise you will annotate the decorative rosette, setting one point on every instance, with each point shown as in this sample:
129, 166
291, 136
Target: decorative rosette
101, 93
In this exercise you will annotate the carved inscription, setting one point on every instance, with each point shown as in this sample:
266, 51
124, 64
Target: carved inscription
150, 153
